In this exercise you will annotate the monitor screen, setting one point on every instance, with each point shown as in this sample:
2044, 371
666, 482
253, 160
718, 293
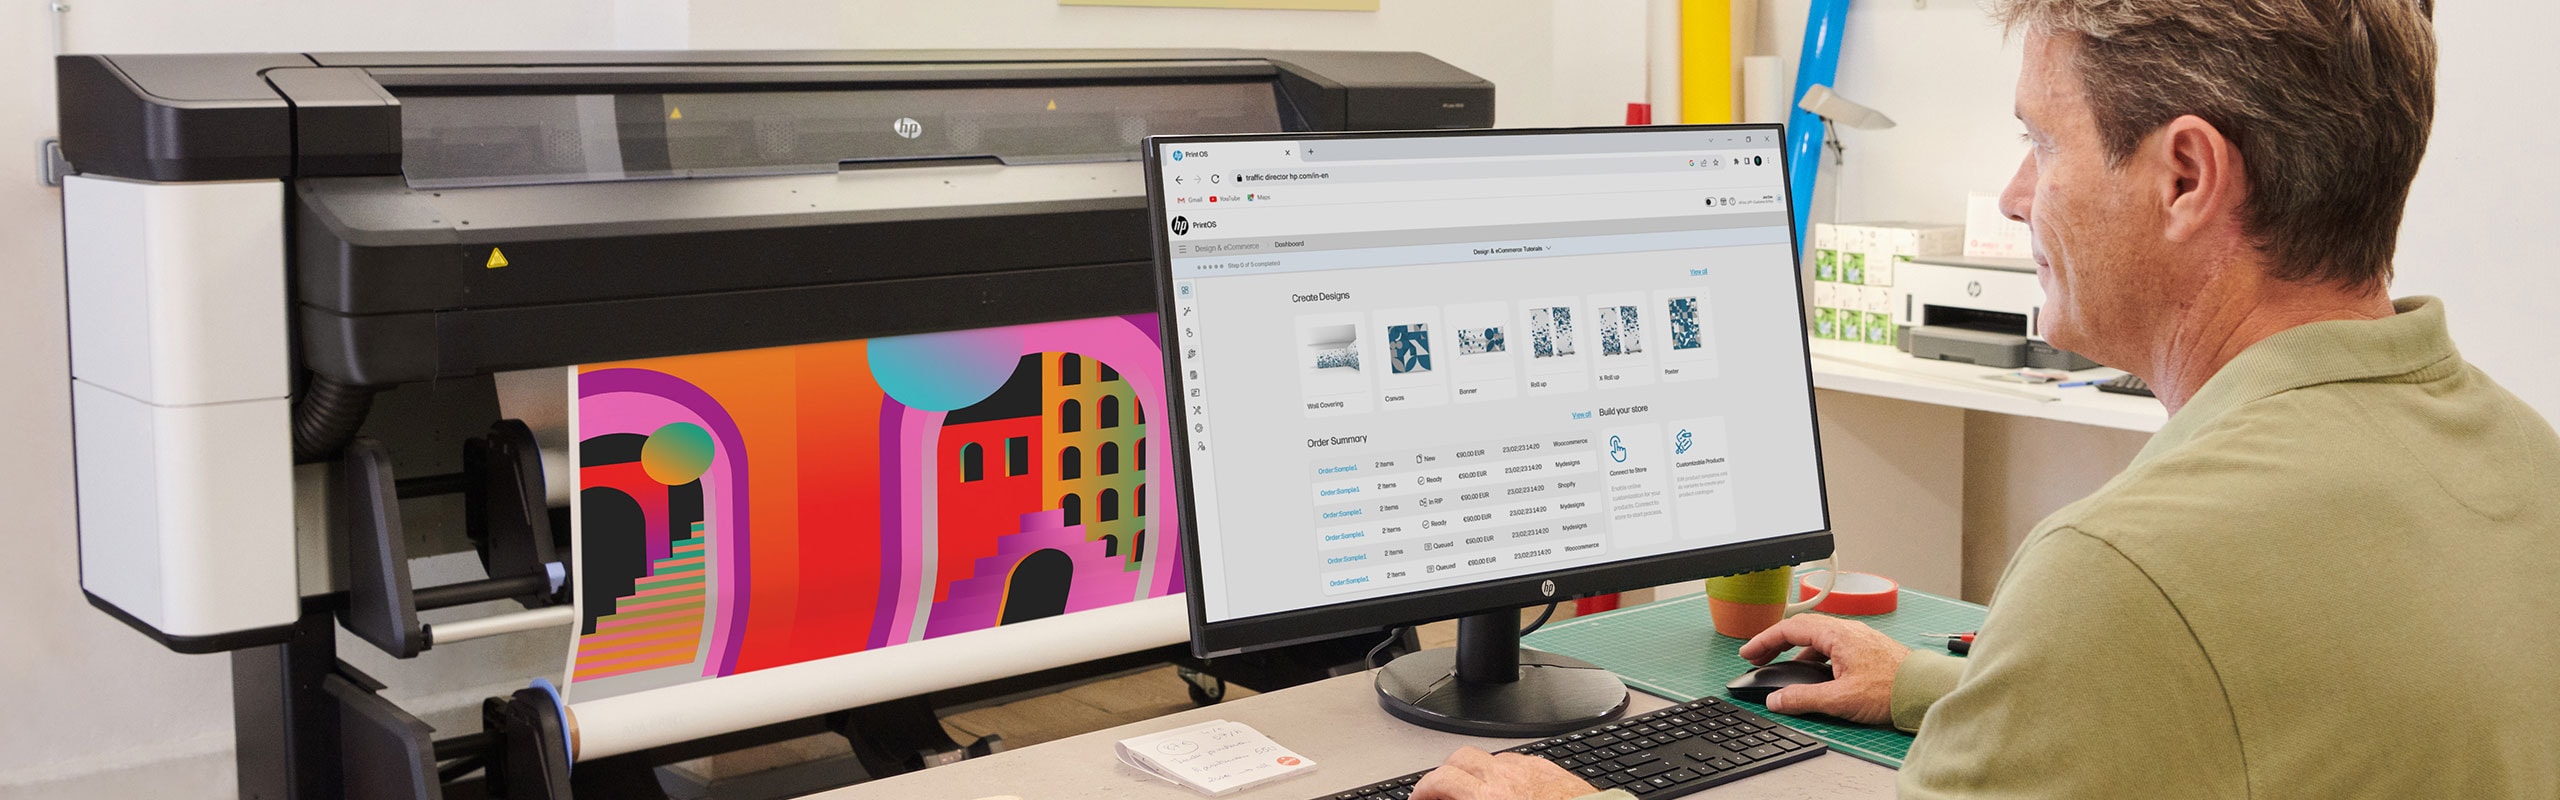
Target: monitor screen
1456, 365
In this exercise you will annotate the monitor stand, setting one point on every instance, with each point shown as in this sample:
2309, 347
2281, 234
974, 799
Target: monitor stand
1489, 686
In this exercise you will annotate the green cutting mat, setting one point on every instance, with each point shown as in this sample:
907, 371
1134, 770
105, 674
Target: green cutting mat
1670, 648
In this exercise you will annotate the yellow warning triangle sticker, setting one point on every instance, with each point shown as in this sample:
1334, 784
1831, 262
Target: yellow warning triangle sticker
675, 113
1053, 105
497, 258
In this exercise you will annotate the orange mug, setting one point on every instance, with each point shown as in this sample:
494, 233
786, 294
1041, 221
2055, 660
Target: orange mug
1744, 605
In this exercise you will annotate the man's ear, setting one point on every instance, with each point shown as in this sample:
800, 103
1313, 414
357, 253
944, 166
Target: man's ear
2203, 182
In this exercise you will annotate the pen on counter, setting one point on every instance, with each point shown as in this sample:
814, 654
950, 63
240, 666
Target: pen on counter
2070, 384
1958, 643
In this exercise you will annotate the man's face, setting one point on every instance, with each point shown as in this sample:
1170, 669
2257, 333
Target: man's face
2097, 244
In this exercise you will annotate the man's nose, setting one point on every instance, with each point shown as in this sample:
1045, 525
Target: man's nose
2017, 198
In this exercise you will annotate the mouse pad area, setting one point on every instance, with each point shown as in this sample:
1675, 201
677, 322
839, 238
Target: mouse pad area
1670, 648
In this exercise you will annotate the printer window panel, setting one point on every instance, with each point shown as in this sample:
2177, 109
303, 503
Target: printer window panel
451, 141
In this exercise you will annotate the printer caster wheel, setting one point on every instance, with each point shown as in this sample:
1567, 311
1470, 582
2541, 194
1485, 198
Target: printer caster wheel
1206, 689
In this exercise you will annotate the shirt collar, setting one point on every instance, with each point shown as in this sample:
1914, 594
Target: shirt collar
2410, 345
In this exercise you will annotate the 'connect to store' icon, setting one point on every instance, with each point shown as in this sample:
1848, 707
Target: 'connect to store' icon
1617, 452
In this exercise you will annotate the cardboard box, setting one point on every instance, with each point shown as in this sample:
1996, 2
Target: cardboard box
1878, 310
1826, 253
1889, 244
1865, 259
1826, 310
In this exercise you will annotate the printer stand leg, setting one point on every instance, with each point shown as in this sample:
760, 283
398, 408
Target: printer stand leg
897, 737
285, 723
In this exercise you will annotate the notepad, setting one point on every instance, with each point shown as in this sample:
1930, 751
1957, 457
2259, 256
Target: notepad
1212, 758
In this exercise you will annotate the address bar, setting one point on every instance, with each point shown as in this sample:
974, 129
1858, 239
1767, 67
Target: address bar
1295, 219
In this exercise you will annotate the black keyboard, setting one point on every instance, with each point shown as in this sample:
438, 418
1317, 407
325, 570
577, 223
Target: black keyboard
2126, 384
1668, 753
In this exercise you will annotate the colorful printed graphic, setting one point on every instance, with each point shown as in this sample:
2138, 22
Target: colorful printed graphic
747, 510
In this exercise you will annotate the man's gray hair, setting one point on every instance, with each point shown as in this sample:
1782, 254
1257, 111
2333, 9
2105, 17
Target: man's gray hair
2329, 102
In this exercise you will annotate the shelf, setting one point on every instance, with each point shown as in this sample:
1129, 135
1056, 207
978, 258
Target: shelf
1886, 372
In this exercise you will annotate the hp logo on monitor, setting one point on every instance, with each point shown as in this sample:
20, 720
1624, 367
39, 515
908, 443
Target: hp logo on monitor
1177, 155
1181, 225
1546, 588
908, 127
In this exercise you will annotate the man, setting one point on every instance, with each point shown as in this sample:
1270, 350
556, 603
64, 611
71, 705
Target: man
2332, 573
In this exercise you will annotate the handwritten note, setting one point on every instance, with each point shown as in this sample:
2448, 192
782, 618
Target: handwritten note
1212, 758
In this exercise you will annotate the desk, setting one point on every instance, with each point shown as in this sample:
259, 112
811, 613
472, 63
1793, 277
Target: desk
1336, 722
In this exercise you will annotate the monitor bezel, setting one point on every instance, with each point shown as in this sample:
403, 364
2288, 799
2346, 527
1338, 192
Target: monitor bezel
1283, 628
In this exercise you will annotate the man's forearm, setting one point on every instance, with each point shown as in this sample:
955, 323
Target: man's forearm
1923, 678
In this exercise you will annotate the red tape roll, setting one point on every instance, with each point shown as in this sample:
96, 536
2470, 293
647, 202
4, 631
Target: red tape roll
1856, 594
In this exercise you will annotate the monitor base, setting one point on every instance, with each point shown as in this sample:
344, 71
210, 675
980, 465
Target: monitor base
1553, 695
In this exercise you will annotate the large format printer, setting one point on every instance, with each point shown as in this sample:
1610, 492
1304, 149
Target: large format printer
299, 284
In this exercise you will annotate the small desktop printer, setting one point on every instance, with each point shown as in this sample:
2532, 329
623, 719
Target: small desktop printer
1975, 310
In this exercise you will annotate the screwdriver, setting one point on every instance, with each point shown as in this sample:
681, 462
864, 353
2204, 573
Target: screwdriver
1956, 642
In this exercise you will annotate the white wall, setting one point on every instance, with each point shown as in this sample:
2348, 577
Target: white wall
89, 708
1943, 71
2489, 179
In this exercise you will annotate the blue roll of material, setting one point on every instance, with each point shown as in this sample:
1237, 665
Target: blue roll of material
1818, 64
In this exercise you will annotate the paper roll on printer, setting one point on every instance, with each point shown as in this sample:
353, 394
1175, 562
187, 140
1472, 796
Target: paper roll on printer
539, 398
1975, 310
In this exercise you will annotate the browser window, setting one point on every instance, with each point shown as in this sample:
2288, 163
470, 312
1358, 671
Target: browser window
1417, 362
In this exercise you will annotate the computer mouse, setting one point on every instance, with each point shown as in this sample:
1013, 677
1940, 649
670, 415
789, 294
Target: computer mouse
1755, 686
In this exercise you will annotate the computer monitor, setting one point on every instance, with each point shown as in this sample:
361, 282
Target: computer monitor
1444, 374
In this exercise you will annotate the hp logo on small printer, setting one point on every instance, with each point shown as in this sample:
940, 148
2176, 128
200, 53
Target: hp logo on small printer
908, 127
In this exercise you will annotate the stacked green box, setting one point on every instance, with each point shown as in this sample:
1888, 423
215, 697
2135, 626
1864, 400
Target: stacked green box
1853, 274
1826, 281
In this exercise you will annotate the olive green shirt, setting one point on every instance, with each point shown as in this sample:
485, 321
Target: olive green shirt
2334, 573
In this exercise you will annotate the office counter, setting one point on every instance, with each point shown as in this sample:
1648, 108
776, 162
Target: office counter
1335, 722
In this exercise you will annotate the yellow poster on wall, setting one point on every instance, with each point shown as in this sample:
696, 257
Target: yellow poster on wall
1296, 5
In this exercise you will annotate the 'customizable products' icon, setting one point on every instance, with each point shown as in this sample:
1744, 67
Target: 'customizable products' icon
1680, 444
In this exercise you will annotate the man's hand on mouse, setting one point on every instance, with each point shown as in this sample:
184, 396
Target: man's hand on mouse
1472, 774
1863, 662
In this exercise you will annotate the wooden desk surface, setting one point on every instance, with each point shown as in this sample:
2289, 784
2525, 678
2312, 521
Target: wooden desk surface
1335, 722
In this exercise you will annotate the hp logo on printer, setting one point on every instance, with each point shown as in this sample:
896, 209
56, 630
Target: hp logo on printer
1181, 225
908, 127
